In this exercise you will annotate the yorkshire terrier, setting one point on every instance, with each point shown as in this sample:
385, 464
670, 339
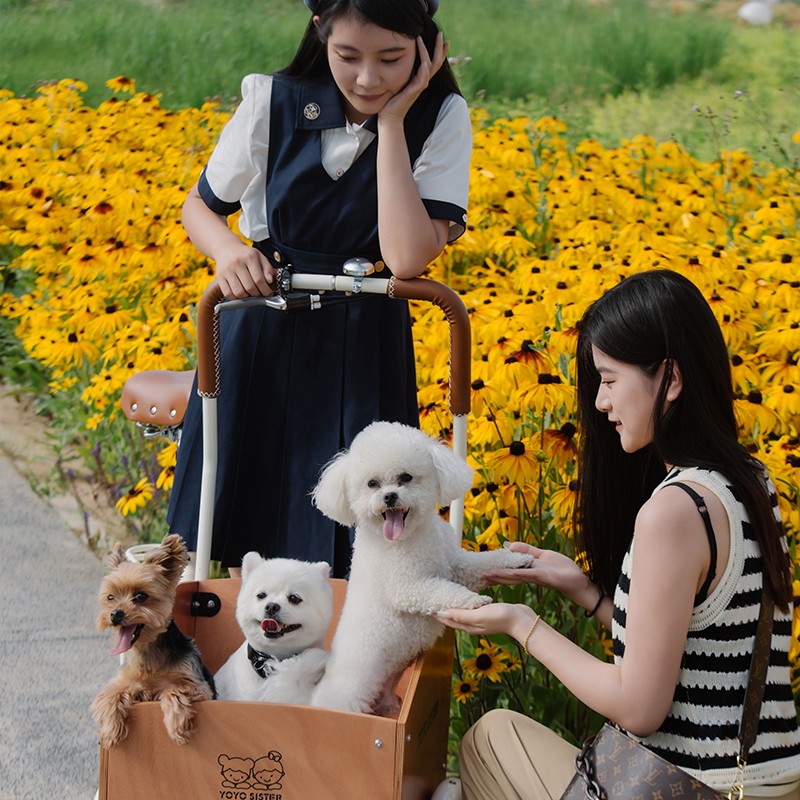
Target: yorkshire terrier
161, 663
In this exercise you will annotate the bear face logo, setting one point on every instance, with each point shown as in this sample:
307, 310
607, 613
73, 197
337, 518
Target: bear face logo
236, 772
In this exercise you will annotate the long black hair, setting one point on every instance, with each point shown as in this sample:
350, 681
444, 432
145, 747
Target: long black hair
407, 17
649, 319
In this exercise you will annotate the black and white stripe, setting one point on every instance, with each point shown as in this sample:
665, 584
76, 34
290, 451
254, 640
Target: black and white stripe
699, 733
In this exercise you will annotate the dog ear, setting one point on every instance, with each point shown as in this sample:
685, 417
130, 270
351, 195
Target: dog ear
116, 557
249, 562
454, 474
172, 557
329, 495
324, 567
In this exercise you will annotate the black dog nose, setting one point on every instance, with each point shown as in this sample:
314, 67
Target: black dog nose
272, 609
117, 617
390, 498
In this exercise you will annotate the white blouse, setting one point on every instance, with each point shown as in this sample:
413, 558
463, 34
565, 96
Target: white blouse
237, 169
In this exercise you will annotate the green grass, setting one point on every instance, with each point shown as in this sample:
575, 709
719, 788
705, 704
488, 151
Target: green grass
192, 49
610, 69
186, 50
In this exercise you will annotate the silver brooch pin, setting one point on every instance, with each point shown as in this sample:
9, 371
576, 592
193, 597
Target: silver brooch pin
311, 111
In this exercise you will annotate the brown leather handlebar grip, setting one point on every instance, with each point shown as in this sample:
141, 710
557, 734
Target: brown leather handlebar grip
208, 341
460, 338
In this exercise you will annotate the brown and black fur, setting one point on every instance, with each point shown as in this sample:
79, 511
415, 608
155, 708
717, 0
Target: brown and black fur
161, 663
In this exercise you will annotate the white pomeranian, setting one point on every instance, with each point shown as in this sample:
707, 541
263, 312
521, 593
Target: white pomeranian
408, 563
284, 609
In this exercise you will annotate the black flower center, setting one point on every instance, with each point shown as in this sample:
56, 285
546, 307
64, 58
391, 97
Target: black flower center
483, 662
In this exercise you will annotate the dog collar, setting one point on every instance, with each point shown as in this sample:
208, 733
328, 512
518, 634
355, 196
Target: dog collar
260, 661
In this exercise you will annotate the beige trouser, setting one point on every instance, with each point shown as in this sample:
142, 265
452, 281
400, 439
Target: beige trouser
508, 756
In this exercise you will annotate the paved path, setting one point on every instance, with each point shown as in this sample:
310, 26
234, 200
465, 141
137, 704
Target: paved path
52, 660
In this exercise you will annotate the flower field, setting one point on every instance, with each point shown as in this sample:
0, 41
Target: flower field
100, 281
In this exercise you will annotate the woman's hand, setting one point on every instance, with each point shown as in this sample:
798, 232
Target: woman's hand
550, 569
513, 620
398, 106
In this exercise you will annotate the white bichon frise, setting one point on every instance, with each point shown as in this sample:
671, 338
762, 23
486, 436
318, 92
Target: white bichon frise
284, 609
408, 563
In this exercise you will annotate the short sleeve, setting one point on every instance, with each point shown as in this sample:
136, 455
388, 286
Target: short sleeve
442, 170
235, 175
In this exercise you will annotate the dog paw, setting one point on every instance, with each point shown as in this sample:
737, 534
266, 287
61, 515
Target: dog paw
477, 601
510, 560
111, 735
181, 733
179, 714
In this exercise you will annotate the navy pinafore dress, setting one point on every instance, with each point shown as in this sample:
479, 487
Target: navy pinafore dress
297, 387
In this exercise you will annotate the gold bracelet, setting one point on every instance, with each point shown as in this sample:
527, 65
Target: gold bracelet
525, 645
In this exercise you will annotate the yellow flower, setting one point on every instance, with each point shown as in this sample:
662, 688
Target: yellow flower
483, 395
562, 502
503, 527
559, 443
485, 664
794, 645
754, 417
168, 456
515, 462
165, 478
135, 498
122, 84
464, 689
784, 400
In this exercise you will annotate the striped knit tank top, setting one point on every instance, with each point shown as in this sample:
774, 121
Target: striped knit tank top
699, 733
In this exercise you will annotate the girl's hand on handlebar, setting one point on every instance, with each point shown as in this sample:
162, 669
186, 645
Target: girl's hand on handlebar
243, 271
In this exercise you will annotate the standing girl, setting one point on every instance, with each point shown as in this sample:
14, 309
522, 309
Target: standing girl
359, 147
676, 572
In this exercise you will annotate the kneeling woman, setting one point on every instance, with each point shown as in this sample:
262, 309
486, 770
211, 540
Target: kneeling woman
682, 534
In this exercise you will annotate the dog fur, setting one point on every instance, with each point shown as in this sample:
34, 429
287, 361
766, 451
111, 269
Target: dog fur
161, 663
284, 609
408, 563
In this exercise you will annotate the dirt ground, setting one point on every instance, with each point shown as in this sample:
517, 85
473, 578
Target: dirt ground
85, 509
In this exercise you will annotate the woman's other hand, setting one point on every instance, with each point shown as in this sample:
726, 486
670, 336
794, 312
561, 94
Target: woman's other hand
551, 570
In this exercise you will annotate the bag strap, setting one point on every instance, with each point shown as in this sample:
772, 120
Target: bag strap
756, 683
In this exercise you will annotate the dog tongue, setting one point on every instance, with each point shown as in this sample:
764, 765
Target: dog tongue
270, 626
124, 641
393, 526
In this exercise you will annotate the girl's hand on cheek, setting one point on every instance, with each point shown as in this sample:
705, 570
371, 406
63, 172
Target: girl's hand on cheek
398, 106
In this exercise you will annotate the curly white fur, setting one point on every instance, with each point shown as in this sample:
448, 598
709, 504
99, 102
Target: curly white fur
408, 564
